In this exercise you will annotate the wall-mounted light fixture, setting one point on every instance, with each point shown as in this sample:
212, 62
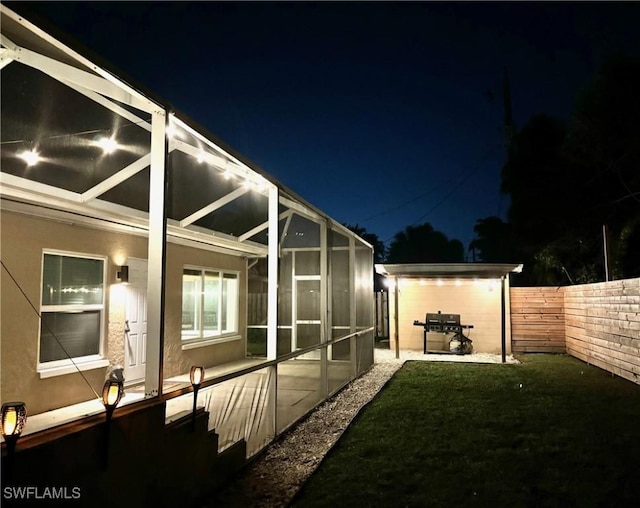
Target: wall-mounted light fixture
13, 418
196, 376
122, 274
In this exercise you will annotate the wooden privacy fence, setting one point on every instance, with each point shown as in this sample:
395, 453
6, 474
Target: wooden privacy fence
537, 320
603, 325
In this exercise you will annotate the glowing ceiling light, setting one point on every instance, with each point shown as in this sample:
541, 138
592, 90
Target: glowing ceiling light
31, 157
248, 184
228, 175
458, 283
171, 131
440, 283
108, 145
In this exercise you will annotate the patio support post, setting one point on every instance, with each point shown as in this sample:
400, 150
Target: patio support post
353, 341
156, 255
396, 308
272, 275
272, 303
324, 309
503, 304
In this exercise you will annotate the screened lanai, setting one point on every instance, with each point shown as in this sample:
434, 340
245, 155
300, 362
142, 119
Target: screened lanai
133, 241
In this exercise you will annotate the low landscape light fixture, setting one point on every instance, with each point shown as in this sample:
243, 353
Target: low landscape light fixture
196, 376
122, 275
111, 395
13, 417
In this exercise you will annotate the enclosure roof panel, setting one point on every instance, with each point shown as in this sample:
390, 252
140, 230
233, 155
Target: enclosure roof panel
448, 269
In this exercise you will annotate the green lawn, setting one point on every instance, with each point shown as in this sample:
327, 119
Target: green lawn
551, 432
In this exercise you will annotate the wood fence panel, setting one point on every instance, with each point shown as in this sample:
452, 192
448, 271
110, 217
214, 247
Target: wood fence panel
603, 325
537, 320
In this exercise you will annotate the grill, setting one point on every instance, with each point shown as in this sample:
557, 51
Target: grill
446, 324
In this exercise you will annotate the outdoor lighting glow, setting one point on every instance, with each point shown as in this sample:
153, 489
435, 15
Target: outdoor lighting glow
458, 282
201, 156
13, 417
440, 283
108, 145
31, 157
196, 375
228, 175
171, 131
248, 184
111, 394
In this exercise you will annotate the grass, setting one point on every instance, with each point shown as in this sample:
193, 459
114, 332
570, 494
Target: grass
552, 432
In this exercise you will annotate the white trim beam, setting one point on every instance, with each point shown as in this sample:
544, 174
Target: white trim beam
116, 179
303, 210
6, 57
8, 43
49, 40
103, 101
64, 72
216, 161
213, 206
17, 186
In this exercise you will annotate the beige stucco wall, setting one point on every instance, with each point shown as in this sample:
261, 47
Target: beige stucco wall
477, 302
23, 239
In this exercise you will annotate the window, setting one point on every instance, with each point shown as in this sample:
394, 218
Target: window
209, 303
72, 308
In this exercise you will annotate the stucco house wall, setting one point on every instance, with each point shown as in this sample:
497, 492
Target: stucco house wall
23, 239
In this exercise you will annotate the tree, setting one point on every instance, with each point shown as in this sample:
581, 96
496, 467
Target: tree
567, 181
603, 143
423, 244
493, 241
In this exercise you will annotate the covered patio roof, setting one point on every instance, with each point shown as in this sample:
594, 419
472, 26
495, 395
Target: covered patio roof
444, 270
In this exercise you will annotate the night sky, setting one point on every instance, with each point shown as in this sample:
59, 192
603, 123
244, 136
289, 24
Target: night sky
380, 114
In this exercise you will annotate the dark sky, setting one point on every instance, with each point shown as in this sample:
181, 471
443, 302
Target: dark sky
380, 114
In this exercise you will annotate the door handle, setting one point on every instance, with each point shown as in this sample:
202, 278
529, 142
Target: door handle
126, 326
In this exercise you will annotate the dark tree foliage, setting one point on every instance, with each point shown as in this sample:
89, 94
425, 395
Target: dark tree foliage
567, 181
493, 241
604, 142
423, 244
371, 238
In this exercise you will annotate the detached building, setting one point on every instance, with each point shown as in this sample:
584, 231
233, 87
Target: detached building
476, 294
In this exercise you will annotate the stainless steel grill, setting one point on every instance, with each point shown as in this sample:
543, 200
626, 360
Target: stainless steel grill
446, 324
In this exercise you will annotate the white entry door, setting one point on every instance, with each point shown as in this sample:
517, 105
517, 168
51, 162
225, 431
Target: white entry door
135, 342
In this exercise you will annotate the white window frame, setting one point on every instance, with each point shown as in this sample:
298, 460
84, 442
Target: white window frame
191, 341
82, 363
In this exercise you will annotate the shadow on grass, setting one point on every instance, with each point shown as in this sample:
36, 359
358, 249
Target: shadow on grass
552, 431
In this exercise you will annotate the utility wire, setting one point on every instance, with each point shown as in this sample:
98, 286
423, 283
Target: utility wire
47, 327
461, 180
